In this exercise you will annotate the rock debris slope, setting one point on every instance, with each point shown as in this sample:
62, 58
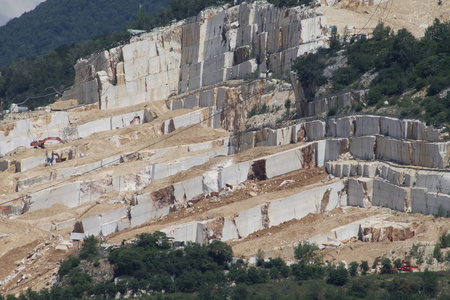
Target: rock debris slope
139, 160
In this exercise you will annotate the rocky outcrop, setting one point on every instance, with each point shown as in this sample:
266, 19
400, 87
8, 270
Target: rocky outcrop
218, 44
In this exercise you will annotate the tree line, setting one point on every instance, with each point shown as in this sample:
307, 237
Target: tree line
400, 64
152, 268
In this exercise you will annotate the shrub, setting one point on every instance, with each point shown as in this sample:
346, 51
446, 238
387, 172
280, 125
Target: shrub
364, 267
397, 263
417, 251
240, 292
69, 264
429, 282
353, 268
437, 253
220, 252
386, 267
332, 111
308, 253
90, 248
338, 276
444, 240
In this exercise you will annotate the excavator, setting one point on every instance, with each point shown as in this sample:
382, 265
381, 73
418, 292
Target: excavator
41, 143
58, 158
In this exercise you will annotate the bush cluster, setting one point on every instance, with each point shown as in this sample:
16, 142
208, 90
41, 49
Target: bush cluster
399, 62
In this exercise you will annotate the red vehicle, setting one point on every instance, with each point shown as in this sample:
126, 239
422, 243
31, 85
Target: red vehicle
404, 269
41, 143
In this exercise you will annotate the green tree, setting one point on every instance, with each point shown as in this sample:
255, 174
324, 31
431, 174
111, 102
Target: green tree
397, 263
429, 283
437, 253
381, 32
353, 268
309, 70
220, 252
338, 275
439, 34
68, 264
308, 253
90, 248
386, 266
364, 267
240, 292
444, 240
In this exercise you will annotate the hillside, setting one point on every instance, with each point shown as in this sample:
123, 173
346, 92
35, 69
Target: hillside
190, 130
54, 23
414, 15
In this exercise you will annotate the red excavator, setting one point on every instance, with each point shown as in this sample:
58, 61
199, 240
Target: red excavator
41, 143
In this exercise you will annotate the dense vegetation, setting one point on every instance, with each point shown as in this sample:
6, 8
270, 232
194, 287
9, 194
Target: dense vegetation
401, 65
152, 269
63, 22
40, 79
64, 38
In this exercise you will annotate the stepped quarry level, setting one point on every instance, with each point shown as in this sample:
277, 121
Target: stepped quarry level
158, 136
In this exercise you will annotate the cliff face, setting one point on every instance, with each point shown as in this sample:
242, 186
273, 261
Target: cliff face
217, 45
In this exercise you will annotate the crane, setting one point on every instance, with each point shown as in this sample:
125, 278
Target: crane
41, 143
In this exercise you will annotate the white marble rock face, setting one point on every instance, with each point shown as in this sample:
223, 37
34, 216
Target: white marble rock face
216, 45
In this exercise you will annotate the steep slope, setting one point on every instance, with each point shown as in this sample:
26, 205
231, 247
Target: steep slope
54, 23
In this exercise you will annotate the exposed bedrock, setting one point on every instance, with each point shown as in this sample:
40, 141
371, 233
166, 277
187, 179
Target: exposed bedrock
216, 45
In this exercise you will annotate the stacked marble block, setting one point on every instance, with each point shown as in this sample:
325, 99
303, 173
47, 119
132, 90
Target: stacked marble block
217, 45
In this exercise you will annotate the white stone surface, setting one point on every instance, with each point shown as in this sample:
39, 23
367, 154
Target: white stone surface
433, 155
389, 195
197, 52
392, 127
108, 228
359, 192
348, 231
229, 231
393, 150
429, 203
311, 201
436, 182
77, 236
189, 232
89, 128
69, 224
249, 221
321, 147
29, 163
362, 147
315, 130
234, 174
92, 226
284, 162
367, 125
23, 132
68, 194
335, 147
341, 127
188, 189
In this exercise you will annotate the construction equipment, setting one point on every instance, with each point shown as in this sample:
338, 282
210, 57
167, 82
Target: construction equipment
406, 268
58, 157
52, 159
41, 143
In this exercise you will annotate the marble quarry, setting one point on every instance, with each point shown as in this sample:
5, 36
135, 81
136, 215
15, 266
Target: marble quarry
218, 44
371, 160
368, 153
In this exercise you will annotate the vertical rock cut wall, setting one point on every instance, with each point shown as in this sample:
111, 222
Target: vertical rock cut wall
216, 45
